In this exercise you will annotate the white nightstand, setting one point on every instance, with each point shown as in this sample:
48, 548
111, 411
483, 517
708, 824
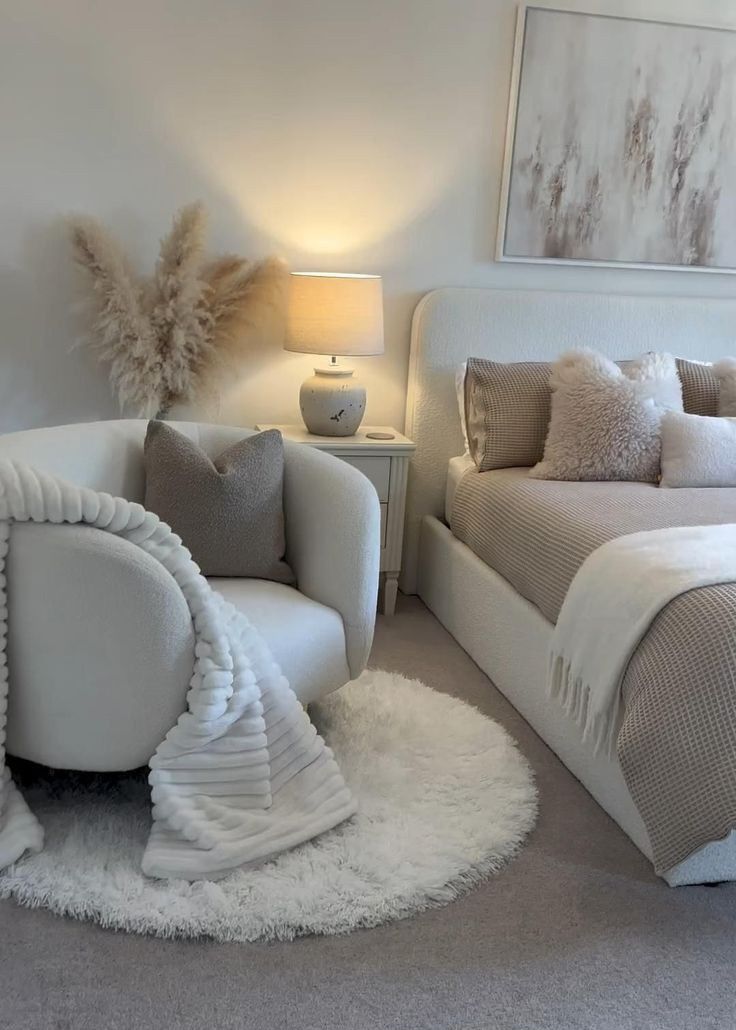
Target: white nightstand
386, 464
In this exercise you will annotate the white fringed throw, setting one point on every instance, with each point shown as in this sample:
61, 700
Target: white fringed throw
617, 593
243, 774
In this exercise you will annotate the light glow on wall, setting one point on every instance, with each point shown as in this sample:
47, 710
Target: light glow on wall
331, 198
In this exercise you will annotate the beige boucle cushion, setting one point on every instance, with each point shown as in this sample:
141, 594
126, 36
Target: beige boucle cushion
605, 422
229, 512
698, 450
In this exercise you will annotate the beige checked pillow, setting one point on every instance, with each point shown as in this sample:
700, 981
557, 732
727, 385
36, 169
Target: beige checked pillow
506, 412
699, 387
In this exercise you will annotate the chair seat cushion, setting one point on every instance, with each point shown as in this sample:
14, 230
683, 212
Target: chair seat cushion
307, 638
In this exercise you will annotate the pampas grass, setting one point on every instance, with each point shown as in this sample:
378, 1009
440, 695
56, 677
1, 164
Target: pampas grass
179, 317
181, 336
123, 335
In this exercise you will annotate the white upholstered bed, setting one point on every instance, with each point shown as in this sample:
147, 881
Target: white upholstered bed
505, 634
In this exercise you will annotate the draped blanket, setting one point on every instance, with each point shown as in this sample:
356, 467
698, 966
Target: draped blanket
243, 774
612, 601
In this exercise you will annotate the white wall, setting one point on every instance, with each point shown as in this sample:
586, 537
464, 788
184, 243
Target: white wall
346, 135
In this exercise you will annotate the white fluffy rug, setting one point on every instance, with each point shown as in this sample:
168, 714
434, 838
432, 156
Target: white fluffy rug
444, 799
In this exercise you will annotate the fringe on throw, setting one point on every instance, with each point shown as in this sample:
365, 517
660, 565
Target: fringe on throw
572, 693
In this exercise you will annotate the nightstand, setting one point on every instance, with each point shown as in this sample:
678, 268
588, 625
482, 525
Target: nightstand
386, 464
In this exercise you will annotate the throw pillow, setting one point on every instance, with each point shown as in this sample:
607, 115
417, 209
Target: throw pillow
229, 512
725, 372
506, 412
698, 450
699, 387
605, 421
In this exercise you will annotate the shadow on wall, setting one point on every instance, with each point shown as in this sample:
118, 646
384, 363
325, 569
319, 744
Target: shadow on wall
40, 364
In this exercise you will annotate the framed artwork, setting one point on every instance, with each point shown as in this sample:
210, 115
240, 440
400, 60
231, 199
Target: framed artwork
621, 143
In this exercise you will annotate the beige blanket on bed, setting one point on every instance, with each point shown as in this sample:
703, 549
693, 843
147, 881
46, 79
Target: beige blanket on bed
616, 595
677, 740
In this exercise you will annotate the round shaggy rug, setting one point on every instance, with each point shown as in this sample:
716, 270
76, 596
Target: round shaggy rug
444, 796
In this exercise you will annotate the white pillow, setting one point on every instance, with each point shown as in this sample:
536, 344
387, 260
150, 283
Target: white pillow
605, 420
698, 450
460, 373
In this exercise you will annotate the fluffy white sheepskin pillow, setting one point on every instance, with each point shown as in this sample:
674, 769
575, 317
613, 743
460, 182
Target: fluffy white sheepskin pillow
698, 450
605, 421
725, 372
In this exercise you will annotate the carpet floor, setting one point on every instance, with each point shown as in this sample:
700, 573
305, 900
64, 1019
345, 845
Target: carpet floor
575, 934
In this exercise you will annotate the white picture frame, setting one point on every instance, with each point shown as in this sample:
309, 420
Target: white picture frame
721, 203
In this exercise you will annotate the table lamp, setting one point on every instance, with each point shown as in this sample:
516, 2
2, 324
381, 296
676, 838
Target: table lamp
334, 314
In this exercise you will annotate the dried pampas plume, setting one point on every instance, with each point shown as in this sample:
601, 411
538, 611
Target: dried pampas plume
180, 336
123, 334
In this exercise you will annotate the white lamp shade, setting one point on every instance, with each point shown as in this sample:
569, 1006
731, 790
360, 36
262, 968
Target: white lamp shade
332, 313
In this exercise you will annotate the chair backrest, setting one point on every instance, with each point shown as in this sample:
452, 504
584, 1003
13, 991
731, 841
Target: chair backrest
106, 456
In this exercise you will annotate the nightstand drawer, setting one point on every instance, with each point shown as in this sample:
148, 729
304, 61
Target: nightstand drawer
377, 469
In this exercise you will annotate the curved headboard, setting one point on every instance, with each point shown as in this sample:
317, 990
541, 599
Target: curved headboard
450, 325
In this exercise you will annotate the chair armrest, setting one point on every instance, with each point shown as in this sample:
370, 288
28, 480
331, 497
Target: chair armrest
102, 648
333, 541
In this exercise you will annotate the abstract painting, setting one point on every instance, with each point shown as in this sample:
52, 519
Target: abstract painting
621, 144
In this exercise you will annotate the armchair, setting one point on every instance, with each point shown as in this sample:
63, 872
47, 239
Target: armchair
98, 674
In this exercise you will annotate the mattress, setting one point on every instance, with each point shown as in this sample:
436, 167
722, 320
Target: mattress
537, 533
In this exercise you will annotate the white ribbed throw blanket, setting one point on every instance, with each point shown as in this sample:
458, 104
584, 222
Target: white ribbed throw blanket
243, 774
617, 592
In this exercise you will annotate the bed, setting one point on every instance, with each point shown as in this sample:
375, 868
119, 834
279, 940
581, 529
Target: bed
492, 554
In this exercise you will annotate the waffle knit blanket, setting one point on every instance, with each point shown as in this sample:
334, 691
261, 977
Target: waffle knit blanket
243, 774
615, 596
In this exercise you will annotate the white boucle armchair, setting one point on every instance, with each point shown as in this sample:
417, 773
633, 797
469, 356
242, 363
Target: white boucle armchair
100, 641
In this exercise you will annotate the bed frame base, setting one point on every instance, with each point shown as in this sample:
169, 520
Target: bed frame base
509, 639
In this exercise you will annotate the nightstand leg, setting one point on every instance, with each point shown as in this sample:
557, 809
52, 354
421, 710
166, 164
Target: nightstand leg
390, 590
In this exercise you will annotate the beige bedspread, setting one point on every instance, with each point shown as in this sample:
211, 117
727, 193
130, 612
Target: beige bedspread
677, 744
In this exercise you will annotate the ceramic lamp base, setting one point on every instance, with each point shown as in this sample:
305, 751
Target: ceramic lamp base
332, 402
